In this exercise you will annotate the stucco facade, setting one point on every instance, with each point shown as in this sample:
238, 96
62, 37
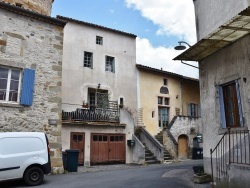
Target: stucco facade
224, 76
82, 81
181, 92
211, 14
26, 44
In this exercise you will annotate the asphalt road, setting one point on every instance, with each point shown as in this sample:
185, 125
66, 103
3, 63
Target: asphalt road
178, 175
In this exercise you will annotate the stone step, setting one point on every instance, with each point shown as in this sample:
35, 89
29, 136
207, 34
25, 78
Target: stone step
150, 158
153, 162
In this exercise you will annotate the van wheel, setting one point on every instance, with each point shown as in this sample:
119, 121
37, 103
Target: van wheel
33, 176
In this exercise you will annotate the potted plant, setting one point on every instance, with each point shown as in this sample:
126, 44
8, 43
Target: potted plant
200, 176
85, 104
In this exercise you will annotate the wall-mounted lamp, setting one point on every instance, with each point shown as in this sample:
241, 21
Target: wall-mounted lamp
99, 85
182, 47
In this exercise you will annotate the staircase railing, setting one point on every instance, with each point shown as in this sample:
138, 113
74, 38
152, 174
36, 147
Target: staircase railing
147, 139
233, 147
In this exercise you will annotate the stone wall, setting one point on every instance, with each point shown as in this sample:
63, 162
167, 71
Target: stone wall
39, 6
188, 126
29, 43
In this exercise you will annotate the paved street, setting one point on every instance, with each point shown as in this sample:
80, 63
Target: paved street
177, 175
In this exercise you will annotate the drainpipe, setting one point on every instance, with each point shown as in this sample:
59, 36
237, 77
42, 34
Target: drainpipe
181, 110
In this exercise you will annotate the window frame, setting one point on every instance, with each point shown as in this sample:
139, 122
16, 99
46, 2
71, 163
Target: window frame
88, 60
8, 85
109, 64
99, 40
221, 101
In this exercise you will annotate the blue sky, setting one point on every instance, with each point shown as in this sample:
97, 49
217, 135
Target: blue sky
158, 24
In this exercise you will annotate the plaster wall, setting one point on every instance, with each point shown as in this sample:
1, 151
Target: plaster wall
77, 79
150, 84
211, 14
128, 130
33, 44
222, 67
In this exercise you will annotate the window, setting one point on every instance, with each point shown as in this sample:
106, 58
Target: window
160, 100
230, 105
153, 114
99, 40
193, 110
110, 64
10, 85
88, 59
164, 90
121, 101
165, 82
92, 99
166, 101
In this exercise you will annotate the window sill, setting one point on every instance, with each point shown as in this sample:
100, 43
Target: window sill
223, 131
11, 105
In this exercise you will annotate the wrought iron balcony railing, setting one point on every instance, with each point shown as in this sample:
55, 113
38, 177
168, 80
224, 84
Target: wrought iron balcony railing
93, 114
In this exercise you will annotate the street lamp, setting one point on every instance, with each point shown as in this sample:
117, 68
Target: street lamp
182, 47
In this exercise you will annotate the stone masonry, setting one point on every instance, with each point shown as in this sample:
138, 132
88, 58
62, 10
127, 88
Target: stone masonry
39, 6
183, 125
29, 43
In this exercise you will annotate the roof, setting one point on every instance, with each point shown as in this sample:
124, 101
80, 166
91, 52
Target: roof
234, 29
94, 25
142, 67
31, 14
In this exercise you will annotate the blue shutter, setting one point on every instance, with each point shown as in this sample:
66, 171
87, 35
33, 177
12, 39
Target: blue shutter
27, 87
222, 108
239, 103
199, 110
189, 110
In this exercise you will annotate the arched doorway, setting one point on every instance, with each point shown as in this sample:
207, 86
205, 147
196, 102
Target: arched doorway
183, 147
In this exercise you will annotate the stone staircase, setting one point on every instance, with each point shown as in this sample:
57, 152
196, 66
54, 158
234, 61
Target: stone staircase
149, 157
167, 155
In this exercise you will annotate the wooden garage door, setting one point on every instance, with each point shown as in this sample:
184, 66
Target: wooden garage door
107, 148
77, 142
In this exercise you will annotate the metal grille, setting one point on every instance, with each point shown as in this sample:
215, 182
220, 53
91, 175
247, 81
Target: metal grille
102, 100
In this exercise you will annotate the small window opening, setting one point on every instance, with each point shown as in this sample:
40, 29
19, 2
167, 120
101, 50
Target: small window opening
165, 82
19, 5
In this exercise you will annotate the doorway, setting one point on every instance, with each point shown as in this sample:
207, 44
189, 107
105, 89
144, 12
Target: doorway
163, 117
182, 147
107, 148
77, 141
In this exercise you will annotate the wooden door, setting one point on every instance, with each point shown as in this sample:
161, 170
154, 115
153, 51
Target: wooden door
77, 141
107, 148
117, 148
99, 148
183, 147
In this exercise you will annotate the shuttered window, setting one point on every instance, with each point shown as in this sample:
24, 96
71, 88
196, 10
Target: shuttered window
9, 84
230, 105
193, 110
27, 87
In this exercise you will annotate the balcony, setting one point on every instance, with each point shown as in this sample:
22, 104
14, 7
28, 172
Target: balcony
108, 113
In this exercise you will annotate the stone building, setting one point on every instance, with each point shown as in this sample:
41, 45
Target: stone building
31, 47
223, 56
40, 6
170, 104
99, 93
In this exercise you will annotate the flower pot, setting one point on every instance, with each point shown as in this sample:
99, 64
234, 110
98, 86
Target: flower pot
202, 178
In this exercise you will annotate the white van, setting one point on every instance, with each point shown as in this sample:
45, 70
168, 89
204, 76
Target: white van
24, 155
